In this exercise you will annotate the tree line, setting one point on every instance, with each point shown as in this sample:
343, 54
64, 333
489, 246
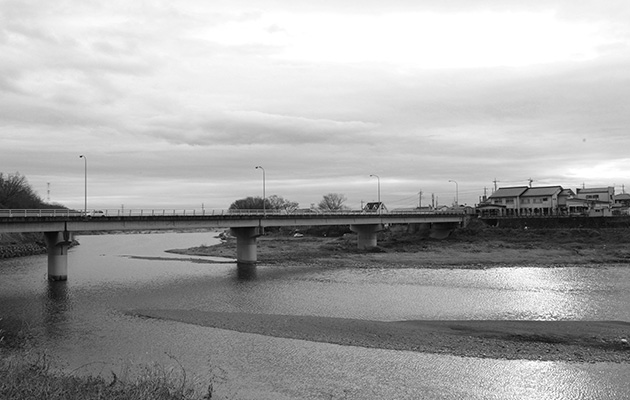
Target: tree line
17, 193
329, 202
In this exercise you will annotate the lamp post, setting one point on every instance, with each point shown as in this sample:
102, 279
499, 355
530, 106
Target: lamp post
84, 182
379, 189
456, 191
264, 184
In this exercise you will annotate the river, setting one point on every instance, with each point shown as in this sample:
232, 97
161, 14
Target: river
84, 326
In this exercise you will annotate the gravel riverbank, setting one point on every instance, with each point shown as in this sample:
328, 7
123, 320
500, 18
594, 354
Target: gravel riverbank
577, 341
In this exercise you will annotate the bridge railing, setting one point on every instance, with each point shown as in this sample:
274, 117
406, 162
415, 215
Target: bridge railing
40, 213
200, 212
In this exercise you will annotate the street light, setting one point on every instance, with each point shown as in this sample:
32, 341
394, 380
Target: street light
85, 181
456, 191
379, 188
264, 184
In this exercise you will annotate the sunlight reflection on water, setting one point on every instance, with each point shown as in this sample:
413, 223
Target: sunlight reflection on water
83, 321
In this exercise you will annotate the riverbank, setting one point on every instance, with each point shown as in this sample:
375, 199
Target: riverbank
477, 247
21, 245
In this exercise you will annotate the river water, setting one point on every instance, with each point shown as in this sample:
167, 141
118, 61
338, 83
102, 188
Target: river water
84, 326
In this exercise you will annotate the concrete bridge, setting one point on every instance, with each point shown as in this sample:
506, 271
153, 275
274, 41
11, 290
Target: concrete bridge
58, 226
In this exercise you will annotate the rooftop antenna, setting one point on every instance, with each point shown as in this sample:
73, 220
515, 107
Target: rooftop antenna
530, 182
495, 184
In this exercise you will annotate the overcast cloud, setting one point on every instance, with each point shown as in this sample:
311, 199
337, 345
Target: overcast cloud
175, 103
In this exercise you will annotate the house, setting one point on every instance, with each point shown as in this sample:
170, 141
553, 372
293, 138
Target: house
375, 206
527, 201
506, 201
605, 194
554, 200
594, 202
622, 199
541, 201
488, 209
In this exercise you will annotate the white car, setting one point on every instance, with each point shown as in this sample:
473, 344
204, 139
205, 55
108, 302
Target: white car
96, 214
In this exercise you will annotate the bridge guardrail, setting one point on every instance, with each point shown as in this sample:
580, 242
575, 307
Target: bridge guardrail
65, 213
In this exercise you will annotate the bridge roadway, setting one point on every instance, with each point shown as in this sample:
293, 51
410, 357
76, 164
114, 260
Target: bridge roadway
58, 226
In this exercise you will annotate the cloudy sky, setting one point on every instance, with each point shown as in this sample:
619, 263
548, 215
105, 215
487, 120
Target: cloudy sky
175, 103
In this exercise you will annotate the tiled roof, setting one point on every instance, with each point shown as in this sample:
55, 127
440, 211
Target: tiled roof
509, 192
542, 191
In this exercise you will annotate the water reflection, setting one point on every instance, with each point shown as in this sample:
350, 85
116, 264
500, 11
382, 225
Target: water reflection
55, 308
83, 320
245, 272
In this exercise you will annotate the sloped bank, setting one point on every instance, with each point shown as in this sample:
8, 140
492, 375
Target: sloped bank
21, 245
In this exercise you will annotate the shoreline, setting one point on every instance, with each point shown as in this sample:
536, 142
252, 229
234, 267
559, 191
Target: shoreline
568, 341
473, 249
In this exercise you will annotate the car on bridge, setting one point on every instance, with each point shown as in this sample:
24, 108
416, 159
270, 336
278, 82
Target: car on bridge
96, 214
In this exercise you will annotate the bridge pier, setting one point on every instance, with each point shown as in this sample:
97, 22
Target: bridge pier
246, 243
366, 234
57, 244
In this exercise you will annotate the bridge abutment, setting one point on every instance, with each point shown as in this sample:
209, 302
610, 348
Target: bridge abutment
246, 243
366, 234
57, 244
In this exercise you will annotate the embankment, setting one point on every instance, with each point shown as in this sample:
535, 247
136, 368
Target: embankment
21, 244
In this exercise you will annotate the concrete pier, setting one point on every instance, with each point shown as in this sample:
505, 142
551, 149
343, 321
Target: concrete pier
366, 234
57, 244
246, 243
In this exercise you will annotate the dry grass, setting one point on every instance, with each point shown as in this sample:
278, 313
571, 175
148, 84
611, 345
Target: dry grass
23, 378
477, 247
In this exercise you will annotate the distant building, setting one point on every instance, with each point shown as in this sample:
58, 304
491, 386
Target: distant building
594, 202
527, 201
524, 201
622, 199
375, 206
605, 194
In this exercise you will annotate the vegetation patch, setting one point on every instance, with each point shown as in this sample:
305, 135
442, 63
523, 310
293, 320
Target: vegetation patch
35, 379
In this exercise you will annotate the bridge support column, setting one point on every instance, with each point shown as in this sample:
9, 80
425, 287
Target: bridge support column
57, 244
366, 234
246, 243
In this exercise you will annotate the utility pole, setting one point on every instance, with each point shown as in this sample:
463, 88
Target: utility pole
420, 199
495, 184
48, 193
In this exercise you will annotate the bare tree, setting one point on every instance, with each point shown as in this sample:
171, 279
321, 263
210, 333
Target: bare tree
273, 202
15, 192
248, 203
332, 202
276, 202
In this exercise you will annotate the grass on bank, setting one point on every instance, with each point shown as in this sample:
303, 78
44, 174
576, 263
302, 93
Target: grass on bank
34, 379
26, 375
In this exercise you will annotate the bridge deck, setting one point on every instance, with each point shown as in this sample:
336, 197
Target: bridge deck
56, 220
